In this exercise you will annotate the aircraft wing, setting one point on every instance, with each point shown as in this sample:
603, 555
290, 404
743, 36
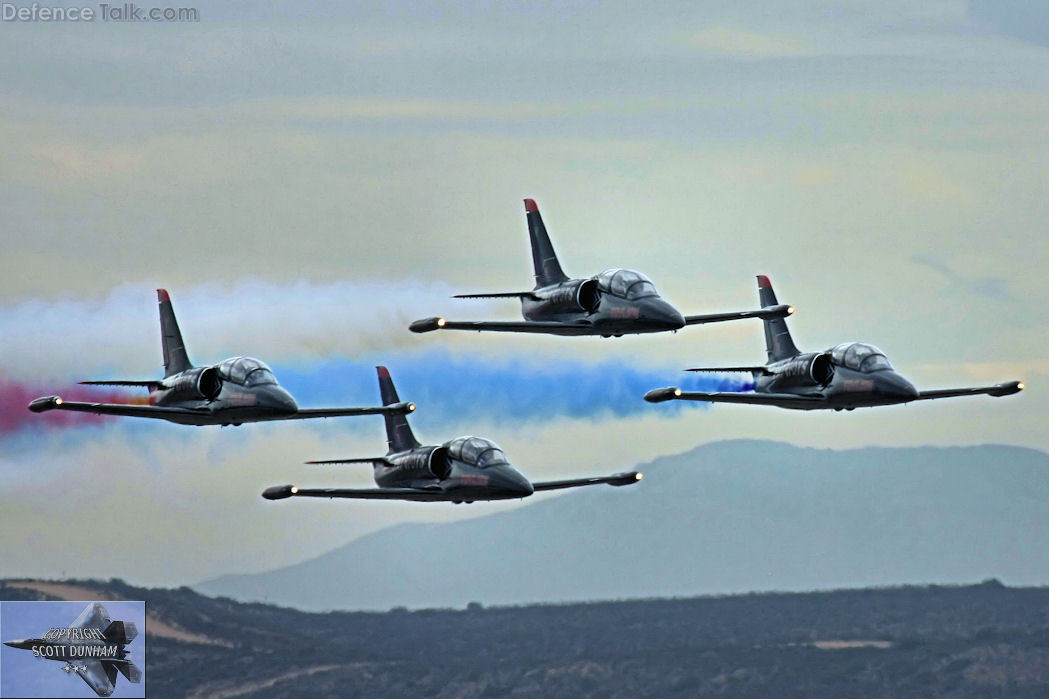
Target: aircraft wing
41, 405
500, 295
402, 408
998, 390
783, 400
101, 679
94, 616
767, 313
430, 324
279, 492
618, 479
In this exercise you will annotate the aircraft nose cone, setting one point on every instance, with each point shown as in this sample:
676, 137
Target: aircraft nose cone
21, 643
898, 387
509, 481
661, 314
277, 398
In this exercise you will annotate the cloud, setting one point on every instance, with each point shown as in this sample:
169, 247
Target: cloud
740, 43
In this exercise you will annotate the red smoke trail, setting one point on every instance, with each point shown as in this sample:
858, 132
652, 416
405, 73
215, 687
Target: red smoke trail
15, 398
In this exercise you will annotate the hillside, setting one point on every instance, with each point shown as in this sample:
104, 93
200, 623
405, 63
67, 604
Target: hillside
982, 640
725, 517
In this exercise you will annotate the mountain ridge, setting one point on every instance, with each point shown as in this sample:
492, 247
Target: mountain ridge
725, 517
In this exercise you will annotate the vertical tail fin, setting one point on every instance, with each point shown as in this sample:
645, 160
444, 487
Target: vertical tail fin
778, 343
120, 632
175, 358
547, 268
398, 433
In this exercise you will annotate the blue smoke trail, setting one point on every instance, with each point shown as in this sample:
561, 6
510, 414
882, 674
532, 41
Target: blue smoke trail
522, 389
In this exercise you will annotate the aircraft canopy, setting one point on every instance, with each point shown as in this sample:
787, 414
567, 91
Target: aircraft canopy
860, 356
246, 371
626, 283
476, 451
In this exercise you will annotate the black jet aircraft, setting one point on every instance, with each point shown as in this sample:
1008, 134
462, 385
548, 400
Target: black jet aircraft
846, 376
92, 647
616, 302
463, 469
236, 390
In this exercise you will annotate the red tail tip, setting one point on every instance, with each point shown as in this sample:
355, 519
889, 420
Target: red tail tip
384, 373
763, 282
162, 295
530, 206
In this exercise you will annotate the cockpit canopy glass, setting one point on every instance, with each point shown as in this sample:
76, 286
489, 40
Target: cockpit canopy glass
246, 371
859, 356
626, 283
476, 451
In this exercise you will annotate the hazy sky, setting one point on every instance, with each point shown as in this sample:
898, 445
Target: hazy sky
308, 178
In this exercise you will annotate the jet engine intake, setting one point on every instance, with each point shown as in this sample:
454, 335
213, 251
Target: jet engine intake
209, 385
588, 297
821, 370
568, 298
196, 384
437, 463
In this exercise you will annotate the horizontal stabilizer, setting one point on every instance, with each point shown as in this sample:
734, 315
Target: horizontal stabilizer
500, 295
129, 670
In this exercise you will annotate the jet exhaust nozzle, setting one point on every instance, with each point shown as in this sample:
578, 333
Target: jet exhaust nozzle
659, 395
630, 478
426, 325
44, 404
279, 492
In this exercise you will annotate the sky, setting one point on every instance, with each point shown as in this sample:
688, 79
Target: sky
307, 178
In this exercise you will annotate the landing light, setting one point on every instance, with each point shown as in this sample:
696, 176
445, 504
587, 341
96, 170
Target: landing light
294, 490
440, 322
677, 392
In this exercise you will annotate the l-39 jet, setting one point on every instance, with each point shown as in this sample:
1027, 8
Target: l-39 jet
234, 391
846, 376
463, 469
616, 302
93, 647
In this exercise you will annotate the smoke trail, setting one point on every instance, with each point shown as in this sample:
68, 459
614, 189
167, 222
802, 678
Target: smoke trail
457, 386
118, 336
15, 397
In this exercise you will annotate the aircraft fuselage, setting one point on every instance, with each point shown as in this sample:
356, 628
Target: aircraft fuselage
462, 479
587, 310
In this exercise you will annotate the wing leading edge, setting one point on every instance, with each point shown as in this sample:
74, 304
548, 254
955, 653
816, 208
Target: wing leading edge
766, 313
427, 325
998, 390
41, 405
619, 479
280, 492
402, 408
661, 395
